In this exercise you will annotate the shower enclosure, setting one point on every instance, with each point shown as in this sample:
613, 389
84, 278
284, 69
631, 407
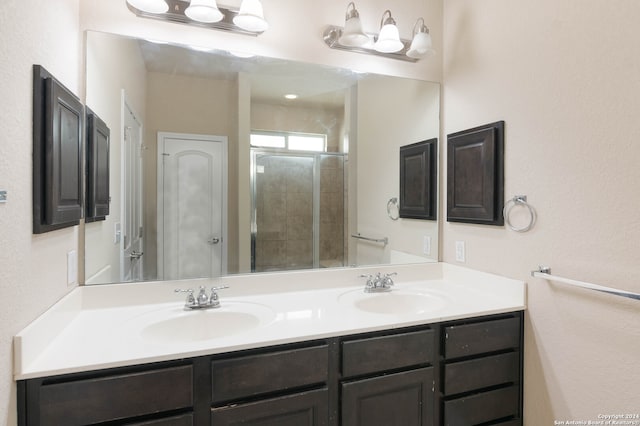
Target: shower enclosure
299, 215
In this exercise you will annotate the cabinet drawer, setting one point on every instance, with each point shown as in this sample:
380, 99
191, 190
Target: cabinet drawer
116, 397
482, 407
488, 336
374, 354
303, 409
184, 420
481, 373
400, 399
277, 371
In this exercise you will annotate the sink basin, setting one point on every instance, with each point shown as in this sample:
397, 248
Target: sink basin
395, 302
177, 325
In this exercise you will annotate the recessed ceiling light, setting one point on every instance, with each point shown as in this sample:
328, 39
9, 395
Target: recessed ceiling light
239, 54
291, 96
156, 41
200, 48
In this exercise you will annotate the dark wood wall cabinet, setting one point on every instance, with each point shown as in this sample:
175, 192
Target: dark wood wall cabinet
465, 372
61, 130
475, 175
97, 194
419, 180
58, 135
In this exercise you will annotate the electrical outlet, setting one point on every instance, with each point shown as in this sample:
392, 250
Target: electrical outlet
426, 245
72, 267
460, 251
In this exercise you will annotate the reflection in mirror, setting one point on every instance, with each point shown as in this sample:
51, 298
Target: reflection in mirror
215, 171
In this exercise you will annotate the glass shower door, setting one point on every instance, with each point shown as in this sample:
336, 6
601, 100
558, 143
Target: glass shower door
283, 234
298, 211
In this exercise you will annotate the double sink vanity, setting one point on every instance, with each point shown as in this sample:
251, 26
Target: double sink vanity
443, 347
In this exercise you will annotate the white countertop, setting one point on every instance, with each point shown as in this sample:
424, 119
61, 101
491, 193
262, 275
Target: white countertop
105, 326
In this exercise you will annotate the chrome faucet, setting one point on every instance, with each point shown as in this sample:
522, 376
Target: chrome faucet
202, 301
378, 283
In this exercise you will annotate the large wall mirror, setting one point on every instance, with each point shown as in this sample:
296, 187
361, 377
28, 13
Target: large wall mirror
223, 164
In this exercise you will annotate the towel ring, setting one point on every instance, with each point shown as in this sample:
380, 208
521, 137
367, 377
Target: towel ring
522, 201
393, 204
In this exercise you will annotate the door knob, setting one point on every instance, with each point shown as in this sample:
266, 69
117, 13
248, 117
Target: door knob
213, 240
136, 254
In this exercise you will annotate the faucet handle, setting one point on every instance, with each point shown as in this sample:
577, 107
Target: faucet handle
220, 287
369, 278
213, 299
387, 281
191, 301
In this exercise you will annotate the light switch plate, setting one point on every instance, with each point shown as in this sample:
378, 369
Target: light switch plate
117, 233
72, 267
460, 251
426, 245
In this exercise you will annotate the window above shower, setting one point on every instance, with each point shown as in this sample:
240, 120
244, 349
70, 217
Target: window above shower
291, 141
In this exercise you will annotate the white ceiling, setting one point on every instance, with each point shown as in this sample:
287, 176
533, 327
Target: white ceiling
270, 78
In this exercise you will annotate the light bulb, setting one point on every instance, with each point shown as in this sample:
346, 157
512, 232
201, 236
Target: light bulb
421, 43
389, 37
150, 6
204, 11
352, 35
251, 16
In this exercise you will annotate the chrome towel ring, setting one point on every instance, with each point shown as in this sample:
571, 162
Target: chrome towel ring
392, 208
519, 200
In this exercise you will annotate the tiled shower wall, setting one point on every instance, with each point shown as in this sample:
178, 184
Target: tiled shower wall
332, 211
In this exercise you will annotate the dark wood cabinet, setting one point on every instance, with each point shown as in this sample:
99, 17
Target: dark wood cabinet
463, 372
482, 371
259, 374
310, 408
97, 198
58, 140
387, 352
398, 399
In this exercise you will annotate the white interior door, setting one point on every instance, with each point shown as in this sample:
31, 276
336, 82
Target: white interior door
131, 261
192, 200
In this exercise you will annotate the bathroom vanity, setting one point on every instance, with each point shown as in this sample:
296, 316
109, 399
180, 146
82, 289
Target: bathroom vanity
444, 347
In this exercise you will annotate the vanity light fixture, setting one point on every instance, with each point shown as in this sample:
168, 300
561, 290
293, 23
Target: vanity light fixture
251, 16
421, 45
204, 11
353, 35
150, 6
249, 20
387, 43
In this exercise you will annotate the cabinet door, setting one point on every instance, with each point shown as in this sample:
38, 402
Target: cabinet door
301, 409
58, 139
97, 199
400, 399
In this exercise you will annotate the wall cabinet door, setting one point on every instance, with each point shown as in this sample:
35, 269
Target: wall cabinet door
58, 139
400, 399
300, 409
